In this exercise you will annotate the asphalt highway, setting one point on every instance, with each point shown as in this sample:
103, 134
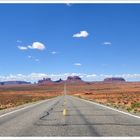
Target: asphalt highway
82, 119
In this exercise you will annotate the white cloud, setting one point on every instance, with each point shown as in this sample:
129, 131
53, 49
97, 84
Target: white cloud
22, 48
37, 76
107, 43
91, 75
81, 34
37, 45
87, 77
126, 76
19, 41
77, 64
53, 52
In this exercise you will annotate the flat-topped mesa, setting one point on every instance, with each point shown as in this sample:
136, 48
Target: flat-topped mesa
74, 79
114, 79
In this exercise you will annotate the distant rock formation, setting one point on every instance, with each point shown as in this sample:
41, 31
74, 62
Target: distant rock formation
59, 81
74, 79
14, 83
114, 79
45, 81
70, 79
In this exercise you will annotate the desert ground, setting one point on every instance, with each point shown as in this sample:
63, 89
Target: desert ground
122, 95
11, 96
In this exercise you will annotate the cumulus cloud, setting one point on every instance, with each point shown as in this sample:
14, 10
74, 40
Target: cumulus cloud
87, 77
37, 76
23, 48
107, 43
81, 34
127, 76
37, 45
77, 64
91, 75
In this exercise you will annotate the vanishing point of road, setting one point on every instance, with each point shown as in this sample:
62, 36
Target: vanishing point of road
83, 118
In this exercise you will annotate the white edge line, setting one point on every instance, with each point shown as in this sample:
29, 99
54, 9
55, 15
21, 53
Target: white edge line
40, 102
83, 138
108, 107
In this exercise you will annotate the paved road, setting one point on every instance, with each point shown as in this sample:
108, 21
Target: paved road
83, 119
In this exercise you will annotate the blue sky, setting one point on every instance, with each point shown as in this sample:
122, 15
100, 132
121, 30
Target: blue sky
93, 41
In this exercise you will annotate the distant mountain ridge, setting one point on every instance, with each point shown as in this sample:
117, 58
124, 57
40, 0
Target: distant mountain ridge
70, 79
14, 82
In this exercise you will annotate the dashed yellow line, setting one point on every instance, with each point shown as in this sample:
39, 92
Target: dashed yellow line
65, 112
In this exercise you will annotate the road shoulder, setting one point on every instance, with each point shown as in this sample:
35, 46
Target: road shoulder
109, 107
